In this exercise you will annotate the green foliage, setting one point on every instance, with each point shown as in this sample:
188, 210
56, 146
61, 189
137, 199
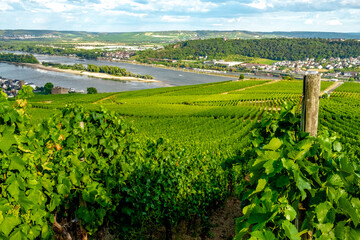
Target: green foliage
276, 49
288, 78
290, 174
3, 96
25, 92
33, 47
19, 58
112, 70
241, 77
91, 90
22, 214
48, 87
89, 169
76, 66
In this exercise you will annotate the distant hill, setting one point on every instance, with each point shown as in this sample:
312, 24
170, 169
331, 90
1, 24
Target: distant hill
274, 49
161, 37
130, 37
330, 35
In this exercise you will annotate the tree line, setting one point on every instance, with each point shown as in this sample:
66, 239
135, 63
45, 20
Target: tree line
20, 58
276, 49
58, 51
112, 70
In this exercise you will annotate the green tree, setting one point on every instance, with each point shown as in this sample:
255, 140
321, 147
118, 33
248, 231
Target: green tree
25, 92
241, 77
91, 90
48, 86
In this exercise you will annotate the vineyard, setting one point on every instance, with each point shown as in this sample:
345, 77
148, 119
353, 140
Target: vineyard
127, 164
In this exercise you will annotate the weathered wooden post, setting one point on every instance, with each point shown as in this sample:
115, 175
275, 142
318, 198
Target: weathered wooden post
309, 123
310, 104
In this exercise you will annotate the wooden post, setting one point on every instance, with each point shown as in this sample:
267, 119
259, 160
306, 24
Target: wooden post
309, 123
310, 104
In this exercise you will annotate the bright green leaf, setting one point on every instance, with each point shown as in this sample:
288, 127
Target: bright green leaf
262, 235
54, 203
345, 205
335, 180
16, 163
260, 186
302, 185
18, 235
290, 230
337, 146
322, 211
325, 228
290, 213
14, 190
9, 223
274, 144
269, 168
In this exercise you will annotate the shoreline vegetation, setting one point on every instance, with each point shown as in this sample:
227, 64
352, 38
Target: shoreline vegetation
84, 73
179, 69
92, 68
18, 58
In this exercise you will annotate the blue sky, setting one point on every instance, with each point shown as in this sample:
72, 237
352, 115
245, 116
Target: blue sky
158, 15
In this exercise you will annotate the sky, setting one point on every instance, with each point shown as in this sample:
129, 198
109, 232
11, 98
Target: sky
162, 15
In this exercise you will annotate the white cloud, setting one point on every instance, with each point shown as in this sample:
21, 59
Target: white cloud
5, 7
261, 4
309, 21
175, 18
234, 20
113, 4
177, 5
334, 22
69, 18
123, 13
56, 5
353, 3
298, 5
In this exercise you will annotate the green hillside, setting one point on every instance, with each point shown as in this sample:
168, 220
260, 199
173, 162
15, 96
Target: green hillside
276, 49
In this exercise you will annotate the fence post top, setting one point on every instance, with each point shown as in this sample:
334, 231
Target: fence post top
313, 75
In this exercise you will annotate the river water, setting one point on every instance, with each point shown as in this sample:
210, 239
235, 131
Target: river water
166, 77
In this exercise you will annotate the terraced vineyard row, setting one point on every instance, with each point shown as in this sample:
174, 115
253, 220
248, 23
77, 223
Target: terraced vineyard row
213, 134
340, 114
221, 104
349, 87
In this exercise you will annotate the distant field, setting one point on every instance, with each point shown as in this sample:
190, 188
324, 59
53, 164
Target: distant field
240, 58
349, 87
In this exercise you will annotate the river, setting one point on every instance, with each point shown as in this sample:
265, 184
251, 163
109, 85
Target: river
166, 77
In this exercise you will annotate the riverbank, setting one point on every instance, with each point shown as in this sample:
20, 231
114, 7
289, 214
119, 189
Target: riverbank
172, 68
184, 70
84, 73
